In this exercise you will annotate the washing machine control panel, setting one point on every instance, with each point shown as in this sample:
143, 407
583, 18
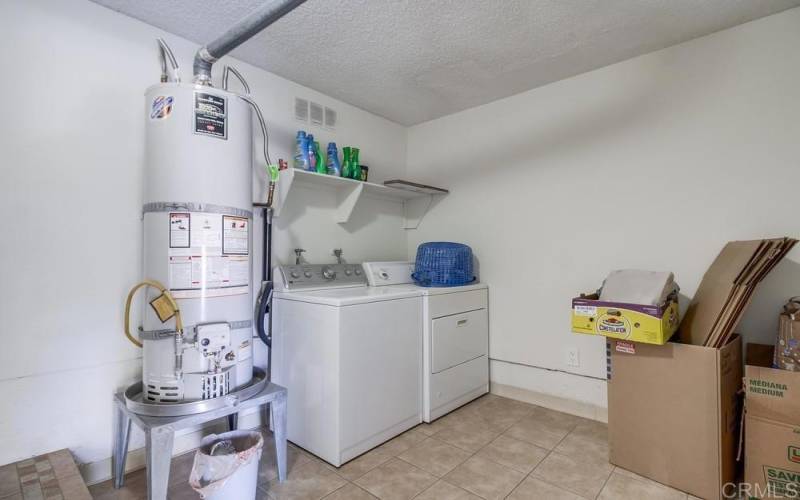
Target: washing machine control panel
316, 276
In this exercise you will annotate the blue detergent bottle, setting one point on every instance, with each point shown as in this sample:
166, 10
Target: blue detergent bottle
312, 164
301, 151
334, 167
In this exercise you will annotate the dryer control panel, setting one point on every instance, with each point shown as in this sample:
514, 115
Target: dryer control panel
318, 276
389, 273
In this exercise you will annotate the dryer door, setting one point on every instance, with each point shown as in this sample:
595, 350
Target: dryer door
458, 338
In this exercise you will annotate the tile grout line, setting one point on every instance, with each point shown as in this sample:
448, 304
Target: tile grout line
489, 459
346, 482
605, 483
433, 436
546, 481
549, 452
540, 462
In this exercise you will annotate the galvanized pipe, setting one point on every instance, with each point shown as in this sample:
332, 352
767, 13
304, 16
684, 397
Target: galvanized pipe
238, 34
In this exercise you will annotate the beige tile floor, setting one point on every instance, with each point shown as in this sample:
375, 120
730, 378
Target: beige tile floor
492, 448
52, 476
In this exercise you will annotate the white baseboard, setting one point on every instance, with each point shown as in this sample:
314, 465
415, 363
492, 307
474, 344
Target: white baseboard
564, 405
97, 472
561, 391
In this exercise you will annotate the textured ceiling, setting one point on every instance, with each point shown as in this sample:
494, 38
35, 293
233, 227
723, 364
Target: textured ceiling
414, 60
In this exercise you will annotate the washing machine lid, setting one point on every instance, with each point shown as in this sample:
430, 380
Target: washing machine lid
339, 297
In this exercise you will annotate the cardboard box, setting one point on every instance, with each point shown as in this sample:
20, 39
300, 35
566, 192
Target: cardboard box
772, 432
618, 320
772, 459
674, 413
773, 394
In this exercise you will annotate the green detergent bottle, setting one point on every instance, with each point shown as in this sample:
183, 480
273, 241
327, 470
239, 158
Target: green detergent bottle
355, 170
321, 167
346, 163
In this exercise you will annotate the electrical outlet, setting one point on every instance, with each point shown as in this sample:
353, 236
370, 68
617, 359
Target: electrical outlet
573, 357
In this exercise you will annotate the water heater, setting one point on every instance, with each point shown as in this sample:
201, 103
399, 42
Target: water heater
197, 323
197, 241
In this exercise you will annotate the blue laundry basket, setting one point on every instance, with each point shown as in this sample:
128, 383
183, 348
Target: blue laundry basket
441, 263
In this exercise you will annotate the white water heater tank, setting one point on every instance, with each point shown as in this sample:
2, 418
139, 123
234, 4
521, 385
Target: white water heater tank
197, 240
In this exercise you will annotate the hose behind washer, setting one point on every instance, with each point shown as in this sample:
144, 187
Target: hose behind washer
265, 299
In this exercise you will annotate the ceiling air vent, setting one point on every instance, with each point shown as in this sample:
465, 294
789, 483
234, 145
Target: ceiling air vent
316, 113
330, 118
301, 109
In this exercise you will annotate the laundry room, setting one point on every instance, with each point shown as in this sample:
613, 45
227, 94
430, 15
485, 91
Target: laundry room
308, 249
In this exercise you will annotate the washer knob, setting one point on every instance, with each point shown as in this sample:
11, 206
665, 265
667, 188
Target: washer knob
328, 273
348, 271
295, 274
307, 274
358, 271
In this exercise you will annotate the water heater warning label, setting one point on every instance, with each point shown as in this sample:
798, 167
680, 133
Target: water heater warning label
209, 255
210, 116
180, 230
235, 235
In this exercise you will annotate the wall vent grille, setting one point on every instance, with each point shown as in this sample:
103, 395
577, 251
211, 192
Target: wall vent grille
316, 114
301, 109
330, 118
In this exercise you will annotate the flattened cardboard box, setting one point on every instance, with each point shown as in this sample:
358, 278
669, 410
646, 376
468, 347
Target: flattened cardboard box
674, 413
772, 432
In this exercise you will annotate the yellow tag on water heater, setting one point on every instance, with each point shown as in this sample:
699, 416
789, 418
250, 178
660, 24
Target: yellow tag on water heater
163, 307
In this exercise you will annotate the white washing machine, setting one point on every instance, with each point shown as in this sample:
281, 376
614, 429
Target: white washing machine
455, 356
350, 357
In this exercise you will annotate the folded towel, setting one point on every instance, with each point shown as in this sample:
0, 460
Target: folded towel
635, 286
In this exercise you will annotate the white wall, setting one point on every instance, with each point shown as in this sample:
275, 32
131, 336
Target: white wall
71, 140
651, 163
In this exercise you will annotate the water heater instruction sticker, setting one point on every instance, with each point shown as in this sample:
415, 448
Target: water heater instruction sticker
198, 263
180, 229
210, 116
235, 235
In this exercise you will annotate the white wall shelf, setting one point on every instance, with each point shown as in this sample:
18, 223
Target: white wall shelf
348, 192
